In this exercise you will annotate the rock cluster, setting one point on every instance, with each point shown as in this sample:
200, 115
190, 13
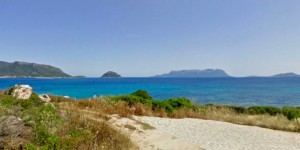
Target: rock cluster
12, 127
22, 91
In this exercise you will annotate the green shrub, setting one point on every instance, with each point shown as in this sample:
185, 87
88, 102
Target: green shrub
46, 117
76, 133
291, 112
158, 104
256, 110
142, 93
180, 102
7, 101
173, 104
26, 103
48, 141
53, 143
264, 110
30, 147
35, 98
41, 136
163, 104
273, 111
131, 99
47, 122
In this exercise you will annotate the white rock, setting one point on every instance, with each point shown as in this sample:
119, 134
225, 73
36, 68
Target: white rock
66, 97
22, 91
45, 98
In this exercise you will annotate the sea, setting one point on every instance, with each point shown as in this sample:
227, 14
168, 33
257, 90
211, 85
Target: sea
246, 92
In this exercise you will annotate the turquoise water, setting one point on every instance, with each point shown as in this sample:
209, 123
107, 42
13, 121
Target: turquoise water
234, 91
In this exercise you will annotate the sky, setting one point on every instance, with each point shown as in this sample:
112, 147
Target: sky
139, 38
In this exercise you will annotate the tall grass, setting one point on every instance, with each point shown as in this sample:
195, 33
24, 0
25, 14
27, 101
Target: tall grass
88, 133
277, 122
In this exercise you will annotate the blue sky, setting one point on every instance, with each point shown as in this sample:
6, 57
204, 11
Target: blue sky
148, 37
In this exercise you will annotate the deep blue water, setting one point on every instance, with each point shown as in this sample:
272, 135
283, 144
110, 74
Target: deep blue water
235, 91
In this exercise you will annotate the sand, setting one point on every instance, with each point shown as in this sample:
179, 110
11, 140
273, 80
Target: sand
216, 135
150, 139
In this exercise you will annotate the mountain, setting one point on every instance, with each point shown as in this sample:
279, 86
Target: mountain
111, 74
25, 69
290, 74
195, 73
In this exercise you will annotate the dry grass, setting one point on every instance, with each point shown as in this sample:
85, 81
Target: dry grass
106, 106
185, 113
90, 131
2, 92
278, 122
159, 112
3, 111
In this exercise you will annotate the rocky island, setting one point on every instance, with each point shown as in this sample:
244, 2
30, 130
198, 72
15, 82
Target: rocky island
111, 74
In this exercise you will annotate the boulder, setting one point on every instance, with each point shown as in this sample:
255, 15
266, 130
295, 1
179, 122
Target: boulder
13, 133
45, 98
21, 91
11, 126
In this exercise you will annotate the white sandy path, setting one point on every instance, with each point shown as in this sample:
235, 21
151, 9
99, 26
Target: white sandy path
151, 139
215, 135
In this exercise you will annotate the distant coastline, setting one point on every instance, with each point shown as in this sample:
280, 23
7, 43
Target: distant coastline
7, 77
20, 69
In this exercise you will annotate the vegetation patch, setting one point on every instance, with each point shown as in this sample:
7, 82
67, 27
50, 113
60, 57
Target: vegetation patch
50, 128
291, 112
264, 110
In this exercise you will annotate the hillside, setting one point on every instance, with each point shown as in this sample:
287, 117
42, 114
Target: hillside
24, 69
196, 73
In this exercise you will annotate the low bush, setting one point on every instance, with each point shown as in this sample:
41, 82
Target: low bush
142, 93
264, 110
7, 100
173, 104
180, 102
163, 105
291, 112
